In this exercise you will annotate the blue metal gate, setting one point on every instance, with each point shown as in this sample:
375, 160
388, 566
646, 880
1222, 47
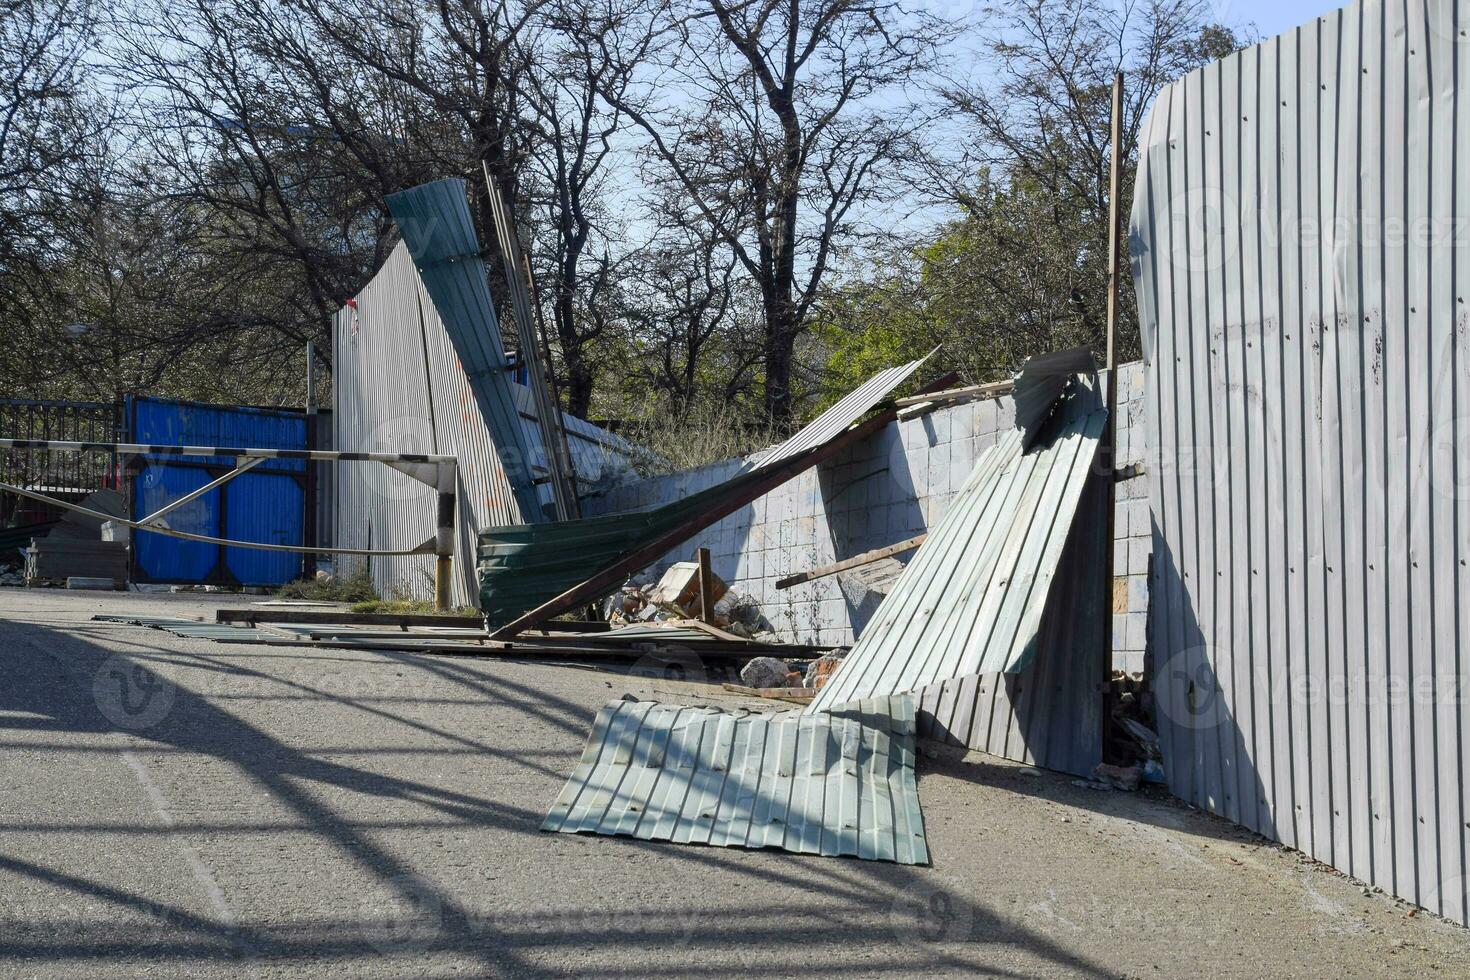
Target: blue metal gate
264, 505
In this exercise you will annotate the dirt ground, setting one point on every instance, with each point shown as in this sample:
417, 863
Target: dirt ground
272, 811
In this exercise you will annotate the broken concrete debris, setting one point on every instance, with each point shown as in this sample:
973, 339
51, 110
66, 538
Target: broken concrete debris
768, 672
1125, 778
678, 590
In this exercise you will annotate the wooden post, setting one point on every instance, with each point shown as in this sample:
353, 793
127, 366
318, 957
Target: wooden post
706, 586
443, 550
1106, 452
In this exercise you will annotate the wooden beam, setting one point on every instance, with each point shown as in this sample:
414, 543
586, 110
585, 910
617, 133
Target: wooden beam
706, 586
331, 617
994, 389
856, 561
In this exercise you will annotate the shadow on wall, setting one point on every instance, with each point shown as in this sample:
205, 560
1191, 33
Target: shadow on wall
871, 501
1207, 758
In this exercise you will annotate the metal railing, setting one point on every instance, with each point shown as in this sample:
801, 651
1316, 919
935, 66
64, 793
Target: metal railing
438, 472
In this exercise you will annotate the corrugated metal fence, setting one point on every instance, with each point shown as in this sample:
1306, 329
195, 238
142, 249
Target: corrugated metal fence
399, 387
1297, 248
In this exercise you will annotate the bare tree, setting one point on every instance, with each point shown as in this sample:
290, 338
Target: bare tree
571, 131
774, 118
1030, 174
51, 120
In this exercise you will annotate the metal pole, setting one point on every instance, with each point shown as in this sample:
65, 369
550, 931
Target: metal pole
548, 411
309, 530
568, 466
1106, 453
144, 449
444, 537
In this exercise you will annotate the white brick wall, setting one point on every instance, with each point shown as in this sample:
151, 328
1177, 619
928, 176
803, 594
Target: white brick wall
894, 486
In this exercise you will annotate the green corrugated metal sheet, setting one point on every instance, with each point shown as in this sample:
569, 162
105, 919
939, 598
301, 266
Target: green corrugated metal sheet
971, 599
840, 783
522, 566
435, 221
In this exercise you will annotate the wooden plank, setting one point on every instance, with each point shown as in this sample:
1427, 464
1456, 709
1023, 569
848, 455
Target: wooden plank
706, 586
856, 561
797, 695
328, 617
958, 396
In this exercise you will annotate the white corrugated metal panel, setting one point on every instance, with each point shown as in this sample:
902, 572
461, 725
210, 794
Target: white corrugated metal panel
399, 386
1302, 292
971, 599
840, 783
843, 413
1050, 713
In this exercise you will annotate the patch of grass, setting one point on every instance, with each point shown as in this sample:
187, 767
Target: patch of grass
357, 587
707, 431
405, 607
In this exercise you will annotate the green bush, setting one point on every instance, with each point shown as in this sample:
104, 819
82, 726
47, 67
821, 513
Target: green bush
357, 587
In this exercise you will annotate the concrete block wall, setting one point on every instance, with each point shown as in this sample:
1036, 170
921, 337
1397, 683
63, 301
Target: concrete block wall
894, 486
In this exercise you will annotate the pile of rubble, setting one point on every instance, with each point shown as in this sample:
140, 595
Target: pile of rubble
676, 597
769, 672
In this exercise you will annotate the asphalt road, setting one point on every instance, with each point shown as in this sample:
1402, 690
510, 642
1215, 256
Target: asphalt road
180, 807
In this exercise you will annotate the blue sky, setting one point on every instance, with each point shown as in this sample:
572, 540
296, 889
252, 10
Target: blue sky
1270, 17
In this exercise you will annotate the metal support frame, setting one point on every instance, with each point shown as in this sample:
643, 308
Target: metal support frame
540, 375
242, 465
1107, 451
437, 471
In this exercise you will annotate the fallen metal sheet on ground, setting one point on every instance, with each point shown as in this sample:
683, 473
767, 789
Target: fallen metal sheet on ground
193, 629
838, 783
971, 599
683, 651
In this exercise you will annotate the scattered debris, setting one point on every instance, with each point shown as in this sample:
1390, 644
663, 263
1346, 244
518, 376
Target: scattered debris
54, 559
1125, 778
89, 582
1147, 738
678, 590
821, 669
797, 695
